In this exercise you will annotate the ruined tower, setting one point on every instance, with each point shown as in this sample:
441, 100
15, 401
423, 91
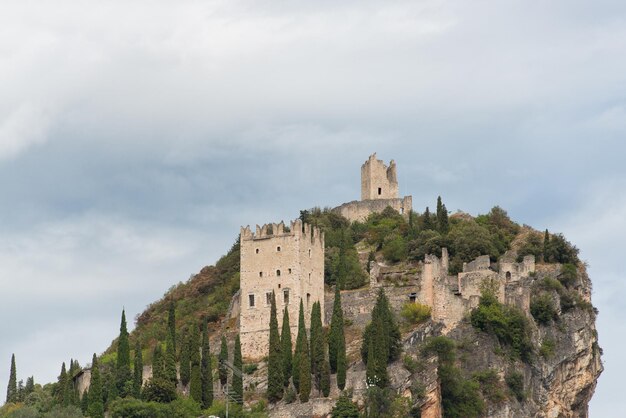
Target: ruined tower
377, 180
288, 262
379, 189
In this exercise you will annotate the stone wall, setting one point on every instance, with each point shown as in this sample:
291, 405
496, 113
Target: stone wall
291, 264
360, 210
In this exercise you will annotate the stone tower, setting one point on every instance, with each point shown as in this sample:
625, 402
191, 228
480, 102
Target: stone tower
288, 262
377, 180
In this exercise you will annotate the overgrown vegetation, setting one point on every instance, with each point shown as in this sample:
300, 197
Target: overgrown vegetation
507, 323
415, 313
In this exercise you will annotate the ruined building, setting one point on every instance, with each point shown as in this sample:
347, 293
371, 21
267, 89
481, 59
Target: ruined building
379, 189
289, 262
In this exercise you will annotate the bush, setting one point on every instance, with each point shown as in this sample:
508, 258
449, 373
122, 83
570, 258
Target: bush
542, 308
345, 408
414, 312
547, 348
250, 368
159, 390
569, 275
507, 323
515, 382
490, 385
410, 363
395, 249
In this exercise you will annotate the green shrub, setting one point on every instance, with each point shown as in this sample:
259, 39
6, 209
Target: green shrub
395, 249
345, 408
414, 312
569, 275
542, 308
515, 382
410, 363
491, 386
547, 348
250, 368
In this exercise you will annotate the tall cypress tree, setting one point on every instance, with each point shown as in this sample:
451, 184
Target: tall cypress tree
195, 382
12, 387
63, 393
336, 334
138, 372
546, 246
185, 360
305, 371
157, 362
96, 404
205, 368
238, 380
285, 345
325, 374
171, 324
274, 363
223, 370
427, 222
317, 344
169, 362
390, 335
300, 343
442, 217
122, 369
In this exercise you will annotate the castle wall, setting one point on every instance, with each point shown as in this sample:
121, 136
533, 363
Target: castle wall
289, 263
377, 180
359, 210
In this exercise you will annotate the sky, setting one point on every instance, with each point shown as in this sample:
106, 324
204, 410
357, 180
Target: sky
137, 137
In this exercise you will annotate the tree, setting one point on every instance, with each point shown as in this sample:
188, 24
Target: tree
169, 362
12, 387
122, 369
325, 374
546, 245
185, 362
195, 382
223, 371
157, 362
285, 346
300, 344
206, 370
427, 221
390, 333
317, 344
238, 380
138, 372
337, 342
63, 393
96, 404
442, 217
305, 372
171, 324
274, 363
345, 408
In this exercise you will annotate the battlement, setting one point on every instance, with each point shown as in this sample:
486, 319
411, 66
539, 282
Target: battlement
274, 230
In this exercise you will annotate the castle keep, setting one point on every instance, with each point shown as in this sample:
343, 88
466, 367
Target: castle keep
289, 262
379, 189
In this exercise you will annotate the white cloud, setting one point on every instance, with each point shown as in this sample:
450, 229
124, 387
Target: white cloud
23, 127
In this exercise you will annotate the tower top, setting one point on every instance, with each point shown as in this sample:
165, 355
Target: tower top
378, 181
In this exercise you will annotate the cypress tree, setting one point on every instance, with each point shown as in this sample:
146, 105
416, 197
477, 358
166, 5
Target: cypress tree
336, 331
546, 246
185, 361
195, 382
390, 334
63, 394
325, 375
442, 217
122, 370
171, 324
427, 222
205, 369
342, 364
285, 345
84, 402
381, 354
305, 372
317, 344
238, 380
12, 387
370, 373
274, 363
96, 405
300, 343
223, 370
157, 363
169, 362
30, 386
138, 372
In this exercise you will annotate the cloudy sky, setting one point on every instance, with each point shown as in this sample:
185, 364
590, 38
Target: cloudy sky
136, 137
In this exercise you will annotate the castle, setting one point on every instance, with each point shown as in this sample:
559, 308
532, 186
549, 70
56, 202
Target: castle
379, 189
286, 261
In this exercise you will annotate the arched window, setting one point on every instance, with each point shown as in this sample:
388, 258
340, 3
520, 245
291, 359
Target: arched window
289, 271
260, 274
508, 275
257, 250
278, 272
278, 248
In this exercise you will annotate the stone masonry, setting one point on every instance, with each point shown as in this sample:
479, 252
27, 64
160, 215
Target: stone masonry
379, 189
289, 263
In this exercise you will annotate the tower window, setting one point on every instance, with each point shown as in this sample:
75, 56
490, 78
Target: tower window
289, 271
508, 275
257, 250
380, 191
309, 253
251, 301
308, 300
278, 272
268, 298
260, 274
278, 248
286, 296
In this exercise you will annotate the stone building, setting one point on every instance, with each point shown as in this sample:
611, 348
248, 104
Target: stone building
289, 262
379, 189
